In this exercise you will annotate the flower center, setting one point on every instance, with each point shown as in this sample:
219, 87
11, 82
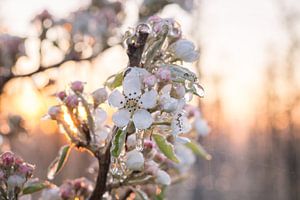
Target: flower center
132, 104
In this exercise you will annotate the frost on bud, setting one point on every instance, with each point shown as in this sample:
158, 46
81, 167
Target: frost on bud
163, 178
15, 181
77, 86
163, 74
151, 167
54, 111
184, 50
201, 126
62, 95
150, 80
135, 160
72, 101
7, 159
99, 96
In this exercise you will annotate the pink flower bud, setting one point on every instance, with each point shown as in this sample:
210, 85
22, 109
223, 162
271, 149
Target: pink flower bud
72, 101
54, 111
163, 74
159, 158
77, 86
61, 95
26, 170
2, 175
150, 80
66, 191
149, 144
8, 159
99, 96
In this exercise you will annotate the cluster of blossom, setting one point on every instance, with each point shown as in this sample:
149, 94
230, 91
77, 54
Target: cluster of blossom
14, 173
152, 138
71, 189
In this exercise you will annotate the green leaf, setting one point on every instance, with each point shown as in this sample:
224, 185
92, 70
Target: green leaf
58, 163
116, 82
118, 143
35, 187
198, 150
165, 147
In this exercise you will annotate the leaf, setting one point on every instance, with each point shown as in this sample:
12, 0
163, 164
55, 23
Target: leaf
198, 150
118, 143
58, 163
35, 187
116, 82
165, 147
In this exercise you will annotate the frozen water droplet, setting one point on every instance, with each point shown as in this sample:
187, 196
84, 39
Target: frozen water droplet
199, 89
114, 166
139, 146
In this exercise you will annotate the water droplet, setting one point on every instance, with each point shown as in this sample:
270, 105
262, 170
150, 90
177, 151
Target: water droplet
139, 146
144, 28
114, 166
199, 89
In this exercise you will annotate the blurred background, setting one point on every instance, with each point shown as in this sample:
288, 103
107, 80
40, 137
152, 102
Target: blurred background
249, 67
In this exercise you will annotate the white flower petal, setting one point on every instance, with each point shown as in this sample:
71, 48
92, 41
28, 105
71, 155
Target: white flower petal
163, 178
201, 126
116, 99
148, 99
99, 116
135, 160
121, 117
132, 86
180, 124
142, 119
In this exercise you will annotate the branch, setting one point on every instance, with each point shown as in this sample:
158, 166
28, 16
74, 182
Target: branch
104, 162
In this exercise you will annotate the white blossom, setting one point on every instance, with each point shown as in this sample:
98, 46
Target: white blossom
135, 160
184, 50
163, 178
133, 103
15, 181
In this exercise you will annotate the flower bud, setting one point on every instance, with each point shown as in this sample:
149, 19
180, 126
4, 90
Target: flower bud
163, 74
150, 80
77, 86
201, 126
7, 158
62, 95
15, 181
135, 160
149, 144
26, 170
184, 50
163, 178
50, 194
99, 96
54, 111
72, 101
151, 167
